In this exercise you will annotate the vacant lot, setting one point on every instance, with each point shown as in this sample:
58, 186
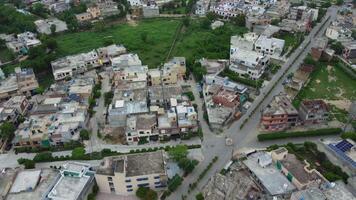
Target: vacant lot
329, 82
150, 39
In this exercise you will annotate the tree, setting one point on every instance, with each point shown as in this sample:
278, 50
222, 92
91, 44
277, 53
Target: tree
7, 129
211, 16
312, 4
353, 33
84, 134
51, 43
108, 97
53, 29
205, 23
199, 196
43, 157
29, 164
99, 26
40, 10
239, 20
339, 2
40, 90
337, 47
186, 21
78, 153
178, 152
146, 193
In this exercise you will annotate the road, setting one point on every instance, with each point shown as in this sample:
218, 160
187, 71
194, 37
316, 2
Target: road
247, 136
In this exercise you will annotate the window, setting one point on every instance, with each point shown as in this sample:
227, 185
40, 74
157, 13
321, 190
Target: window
128, 180
142, 179
156, 177
111, 184
143, 185
109, 178
129, 190
112, 190
128, 186
158, 182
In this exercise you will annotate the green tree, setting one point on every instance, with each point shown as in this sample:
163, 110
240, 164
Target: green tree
146, 193
199, 196
108, 97
78, 153
51, 43
239, 20
7, 129
53, 29
337, 47
212, 16
99, 26
339, 2
40, 10
29, 164
186, 21
84, 134
40, 90
178, 152
43, 157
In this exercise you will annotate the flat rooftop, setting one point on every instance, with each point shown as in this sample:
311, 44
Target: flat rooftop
25, 181
48, 176
274, 182
68, 188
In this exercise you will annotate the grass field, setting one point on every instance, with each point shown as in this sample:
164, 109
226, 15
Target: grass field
329, 83
6, 55
196, 42
160, 33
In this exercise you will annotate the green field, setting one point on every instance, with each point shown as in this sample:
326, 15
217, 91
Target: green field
196, 41
6, 55
160, 34
329, 83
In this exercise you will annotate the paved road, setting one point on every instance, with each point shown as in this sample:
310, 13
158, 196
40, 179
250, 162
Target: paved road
247, 136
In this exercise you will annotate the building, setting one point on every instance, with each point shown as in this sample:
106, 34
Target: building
293, 26
296, 171
345, 150
271, 46
338, 33
123, 175
108, 8
227, 99
279, 114
349, 51
141, 127
150, 11
23, 82
20, 103
313, 193
45, 26
318, 48
201, 7
75, 64
264, 171
74, 182
111, 51
313, 111
22, 42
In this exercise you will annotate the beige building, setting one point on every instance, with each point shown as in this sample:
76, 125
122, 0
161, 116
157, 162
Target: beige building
170, 73
123, 175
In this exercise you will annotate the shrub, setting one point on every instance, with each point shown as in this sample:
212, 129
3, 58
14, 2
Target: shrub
283, 134
199, 196
146, 193
44, 157
235, 77
84, 134
78, 153
29, 164
190, 95
174, 183
349, 135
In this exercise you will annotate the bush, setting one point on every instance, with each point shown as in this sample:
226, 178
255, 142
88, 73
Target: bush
146, 193
29, 164
190, 95
43, 157
283, 134
78, 153
84, 134
199, 196
349, 135
235, 77
174, 183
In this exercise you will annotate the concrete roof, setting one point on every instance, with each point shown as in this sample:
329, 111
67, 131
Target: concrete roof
273, 180
25, 181
68, 188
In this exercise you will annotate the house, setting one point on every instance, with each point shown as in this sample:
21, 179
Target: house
150, 11
111, 51
82, 17
303, 12
345, 150
296, 171
141, 127
318, 48
58, 7
271, 46
227, 99
349, 51
19, 103
23, 82
125, 60
44, 26
228, 8
108, 7
338, 33
279, 114
201, 7
249, 63
313, 111
22, 42
262, 168
290, 25
74, 182
123, 175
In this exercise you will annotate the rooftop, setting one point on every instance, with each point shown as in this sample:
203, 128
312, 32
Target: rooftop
280, 104
273, 180
134, 164
25, 181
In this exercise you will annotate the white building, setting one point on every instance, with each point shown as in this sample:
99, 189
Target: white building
338, 33
44, 26
271, 46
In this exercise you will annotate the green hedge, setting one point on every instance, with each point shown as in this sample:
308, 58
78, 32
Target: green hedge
283, 134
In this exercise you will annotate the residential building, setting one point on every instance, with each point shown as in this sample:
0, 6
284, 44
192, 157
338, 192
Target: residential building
318, 48
290, 25
109, 52
298, 172
349, 51
75, 64
228, 8
338, 33
123, 175
141, 127
108, 7
125, 60
82, 17
264, 171
22, 42
271, 46
249, 63
44, 26
74, 182
58, 7
149, 11
20, 103
23, 82
201, 7
313, 111
279, 114
227, 99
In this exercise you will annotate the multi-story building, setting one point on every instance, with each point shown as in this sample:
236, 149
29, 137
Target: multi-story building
22, 42
20, 103
142, 126
349, 51
313, 111
271, 46
123, 175
279, 114
338, 33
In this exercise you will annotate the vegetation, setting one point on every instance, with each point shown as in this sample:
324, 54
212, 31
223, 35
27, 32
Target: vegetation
84, 134
292, 41
174, 183
179, 154
43, 157
199, 196
190, 95
197, 70
349, 135
67, 146
159, 39
145, 193
7, 130
283, 134
203, 173
108, 98
28, 164
337, 47
12, 21
318, 160
78, 153
235, 77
